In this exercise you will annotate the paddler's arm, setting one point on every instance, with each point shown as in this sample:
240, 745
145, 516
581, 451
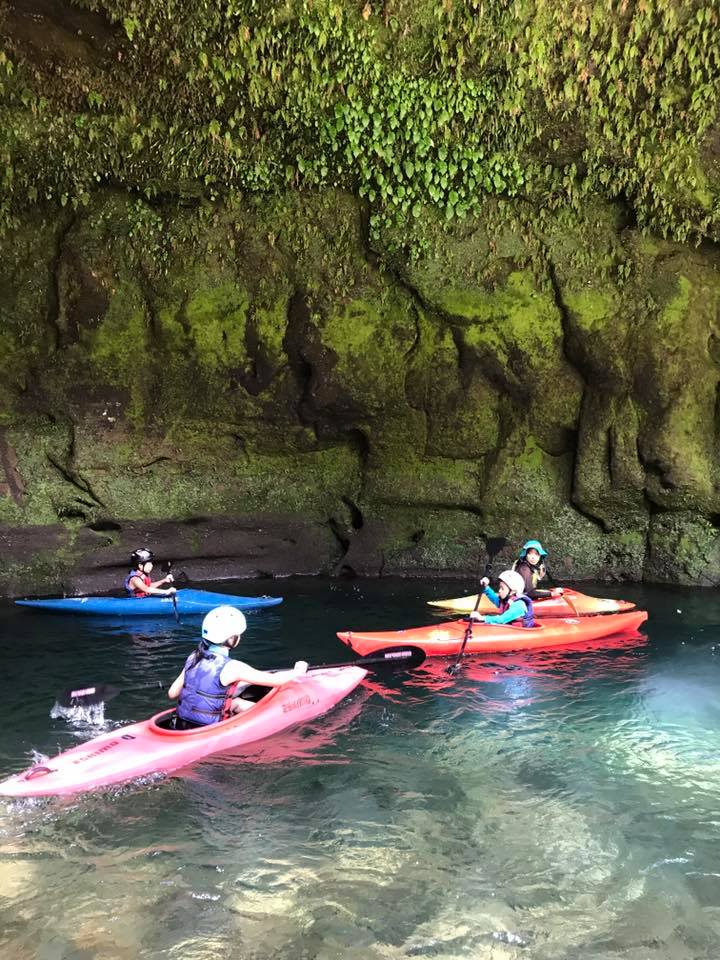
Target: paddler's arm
515, 611
537, 594
492, 597
542, 593
137, 584
490, 593
238, 672
176, 686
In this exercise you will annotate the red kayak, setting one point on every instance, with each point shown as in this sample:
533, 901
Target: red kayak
571, 604
150, 747
445, 639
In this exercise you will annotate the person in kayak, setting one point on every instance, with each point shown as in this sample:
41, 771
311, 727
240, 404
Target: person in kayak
138, 583
511, 600
209, 685
531, 567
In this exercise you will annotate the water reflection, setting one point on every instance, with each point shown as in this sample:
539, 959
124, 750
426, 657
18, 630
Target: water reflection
547, 805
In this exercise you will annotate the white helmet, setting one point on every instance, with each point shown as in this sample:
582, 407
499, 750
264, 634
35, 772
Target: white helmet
222, 623
514, 581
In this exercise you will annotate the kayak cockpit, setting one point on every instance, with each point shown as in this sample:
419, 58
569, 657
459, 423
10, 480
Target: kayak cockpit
163, 723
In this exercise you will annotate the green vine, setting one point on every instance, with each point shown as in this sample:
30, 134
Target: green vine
411, 105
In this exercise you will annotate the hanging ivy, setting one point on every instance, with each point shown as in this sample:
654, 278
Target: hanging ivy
408, 104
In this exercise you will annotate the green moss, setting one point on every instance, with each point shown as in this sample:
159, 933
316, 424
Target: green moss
216, 321
369, 339
118, 342
674, 313
648, 246
200, 470
419, 542
271, 326
116, 348
684, 548
39, 445
10, 512
517, 311
592, 309
403, 478
525, 479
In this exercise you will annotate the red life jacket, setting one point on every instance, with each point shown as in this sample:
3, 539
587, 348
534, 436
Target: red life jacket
141, 576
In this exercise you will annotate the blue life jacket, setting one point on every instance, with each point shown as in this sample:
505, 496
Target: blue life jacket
528, 619
203, 696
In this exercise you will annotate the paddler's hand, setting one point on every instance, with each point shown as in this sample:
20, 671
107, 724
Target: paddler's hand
485, 582
170, 591
557, 592
300, 667
476, 617
169, 578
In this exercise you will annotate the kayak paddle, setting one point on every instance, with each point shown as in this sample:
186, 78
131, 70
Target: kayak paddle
93, 694
175, 609
493, 545
565, 597
180, 576
572, 606
167, 566
408, 657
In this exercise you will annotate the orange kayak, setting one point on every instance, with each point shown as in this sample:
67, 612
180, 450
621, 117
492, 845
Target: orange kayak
584, 605
445, 639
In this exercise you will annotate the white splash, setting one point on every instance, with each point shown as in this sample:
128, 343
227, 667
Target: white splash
93, 715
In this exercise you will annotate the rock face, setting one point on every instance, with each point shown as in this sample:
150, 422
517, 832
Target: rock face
262, 392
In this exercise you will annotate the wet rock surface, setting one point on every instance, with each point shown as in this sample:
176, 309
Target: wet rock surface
276, 397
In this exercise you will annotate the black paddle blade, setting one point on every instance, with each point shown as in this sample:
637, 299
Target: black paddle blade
87, 696
406, 658
179, 576
493, 546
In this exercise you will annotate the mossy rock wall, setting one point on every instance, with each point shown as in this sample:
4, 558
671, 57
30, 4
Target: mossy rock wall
263, 390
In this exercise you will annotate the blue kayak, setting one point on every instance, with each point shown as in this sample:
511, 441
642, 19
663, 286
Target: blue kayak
189, 602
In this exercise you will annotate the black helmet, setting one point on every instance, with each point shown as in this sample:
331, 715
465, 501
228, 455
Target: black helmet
141, 556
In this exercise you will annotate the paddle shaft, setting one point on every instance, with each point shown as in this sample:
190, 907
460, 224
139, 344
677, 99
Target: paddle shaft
468, 634
497, 544
392, 657
167, 567
565, 597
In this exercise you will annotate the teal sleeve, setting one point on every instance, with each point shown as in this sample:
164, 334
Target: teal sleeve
516, 611
492, 596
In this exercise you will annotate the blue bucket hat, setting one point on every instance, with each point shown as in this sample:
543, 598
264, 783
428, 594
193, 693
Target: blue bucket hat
532, 545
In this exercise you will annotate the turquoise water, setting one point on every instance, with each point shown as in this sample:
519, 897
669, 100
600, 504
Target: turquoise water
545, 806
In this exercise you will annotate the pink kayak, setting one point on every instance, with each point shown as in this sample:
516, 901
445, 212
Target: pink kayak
149, 747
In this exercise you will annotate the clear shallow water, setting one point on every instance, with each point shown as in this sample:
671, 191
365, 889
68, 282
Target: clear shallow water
557, 805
